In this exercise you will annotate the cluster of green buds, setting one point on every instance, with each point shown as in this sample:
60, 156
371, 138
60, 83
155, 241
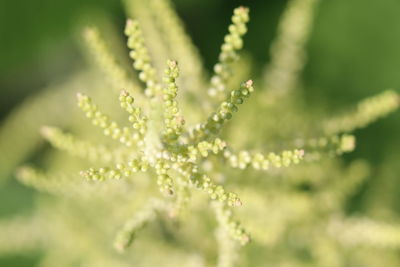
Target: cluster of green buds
232, 43
217, 192
141, 57
204, 183
204, 148
167, 158
178, 160
98, 118
120, 170
216, 120
136, 117
176, 154
160, 141
164, 181
259, 161
173, 122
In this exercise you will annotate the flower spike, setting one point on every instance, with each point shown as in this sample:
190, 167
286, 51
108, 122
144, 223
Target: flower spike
232, 43
172, 120
225, 111
141, 57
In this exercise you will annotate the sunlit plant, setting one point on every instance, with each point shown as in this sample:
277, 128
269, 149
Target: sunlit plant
182, 145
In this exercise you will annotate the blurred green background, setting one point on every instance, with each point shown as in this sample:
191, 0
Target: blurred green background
353, 53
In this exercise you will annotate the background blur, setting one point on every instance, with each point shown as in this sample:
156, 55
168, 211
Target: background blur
353, 53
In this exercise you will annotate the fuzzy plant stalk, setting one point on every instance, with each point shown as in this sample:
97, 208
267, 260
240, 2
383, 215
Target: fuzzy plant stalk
185, 168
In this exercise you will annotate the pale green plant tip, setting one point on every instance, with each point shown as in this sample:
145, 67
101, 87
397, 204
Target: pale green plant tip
141, 57
173, 121
217, 120
232, 43
259, 161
